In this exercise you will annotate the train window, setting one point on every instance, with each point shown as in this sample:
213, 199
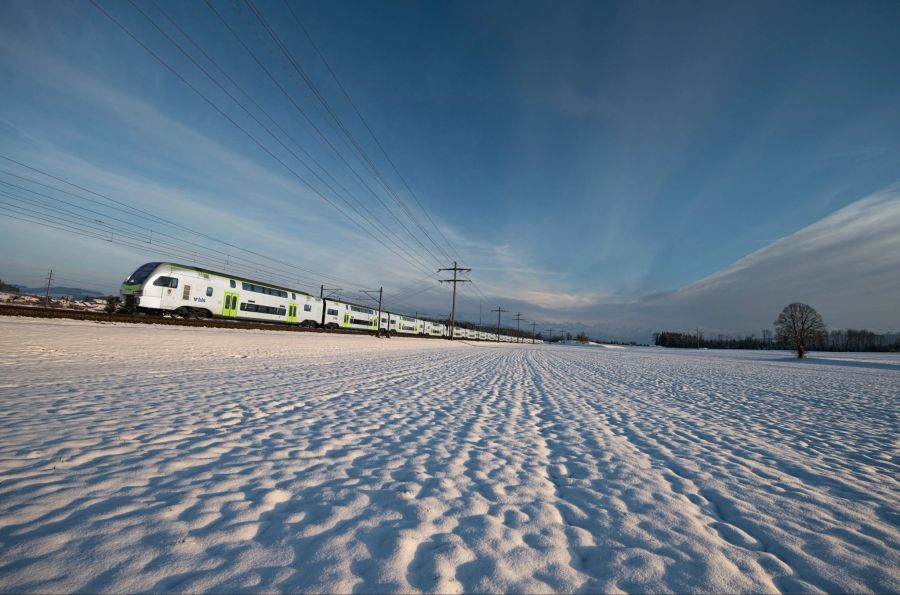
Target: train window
166, 282
293, 296
140, 275
209, 292
186, 294
307, 308
261, 289
332, 312
233, 284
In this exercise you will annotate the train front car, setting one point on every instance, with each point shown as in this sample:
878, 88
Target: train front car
136, 293
169, 288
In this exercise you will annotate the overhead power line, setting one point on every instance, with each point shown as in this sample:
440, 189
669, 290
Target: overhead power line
372, 133
301, 111
387, 231
243, 130
125, 208
336, 118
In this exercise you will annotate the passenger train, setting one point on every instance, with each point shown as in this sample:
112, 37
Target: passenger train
169, 288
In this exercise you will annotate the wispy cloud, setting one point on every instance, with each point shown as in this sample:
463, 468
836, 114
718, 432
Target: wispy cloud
847, 266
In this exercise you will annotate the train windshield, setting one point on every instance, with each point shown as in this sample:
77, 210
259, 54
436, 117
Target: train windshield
140, 275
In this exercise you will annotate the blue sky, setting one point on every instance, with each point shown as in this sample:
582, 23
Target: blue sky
593, 162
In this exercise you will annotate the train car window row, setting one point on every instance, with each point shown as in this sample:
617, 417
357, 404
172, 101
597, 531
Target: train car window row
360, 321
263, 309
265, 290
362, 310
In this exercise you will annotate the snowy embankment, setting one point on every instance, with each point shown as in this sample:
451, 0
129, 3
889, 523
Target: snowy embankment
141, 458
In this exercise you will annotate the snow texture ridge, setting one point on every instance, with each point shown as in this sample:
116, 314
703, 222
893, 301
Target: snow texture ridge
166, 459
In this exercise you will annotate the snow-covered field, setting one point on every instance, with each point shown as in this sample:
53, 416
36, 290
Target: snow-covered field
145, 458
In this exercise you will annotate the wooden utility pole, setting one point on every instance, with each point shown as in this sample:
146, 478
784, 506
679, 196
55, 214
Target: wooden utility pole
499, 311
518, 319
47, 293
533, 324
456, 269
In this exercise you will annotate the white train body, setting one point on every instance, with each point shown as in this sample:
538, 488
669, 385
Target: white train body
165, 287
404, 325
339, 314
168, 287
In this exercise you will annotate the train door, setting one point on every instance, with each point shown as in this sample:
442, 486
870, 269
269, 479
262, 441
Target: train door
230, 308
292, 312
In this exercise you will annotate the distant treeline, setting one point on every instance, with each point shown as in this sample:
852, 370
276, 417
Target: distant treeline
8, 287
837, 340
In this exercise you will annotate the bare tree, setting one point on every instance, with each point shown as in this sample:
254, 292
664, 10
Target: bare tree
799, 325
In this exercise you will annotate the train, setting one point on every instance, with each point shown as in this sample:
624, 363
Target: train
189, 291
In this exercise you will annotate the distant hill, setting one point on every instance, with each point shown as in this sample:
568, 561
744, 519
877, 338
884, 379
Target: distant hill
57, 292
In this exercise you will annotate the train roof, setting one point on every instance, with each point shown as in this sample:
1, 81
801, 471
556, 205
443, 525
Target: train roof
235, 277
